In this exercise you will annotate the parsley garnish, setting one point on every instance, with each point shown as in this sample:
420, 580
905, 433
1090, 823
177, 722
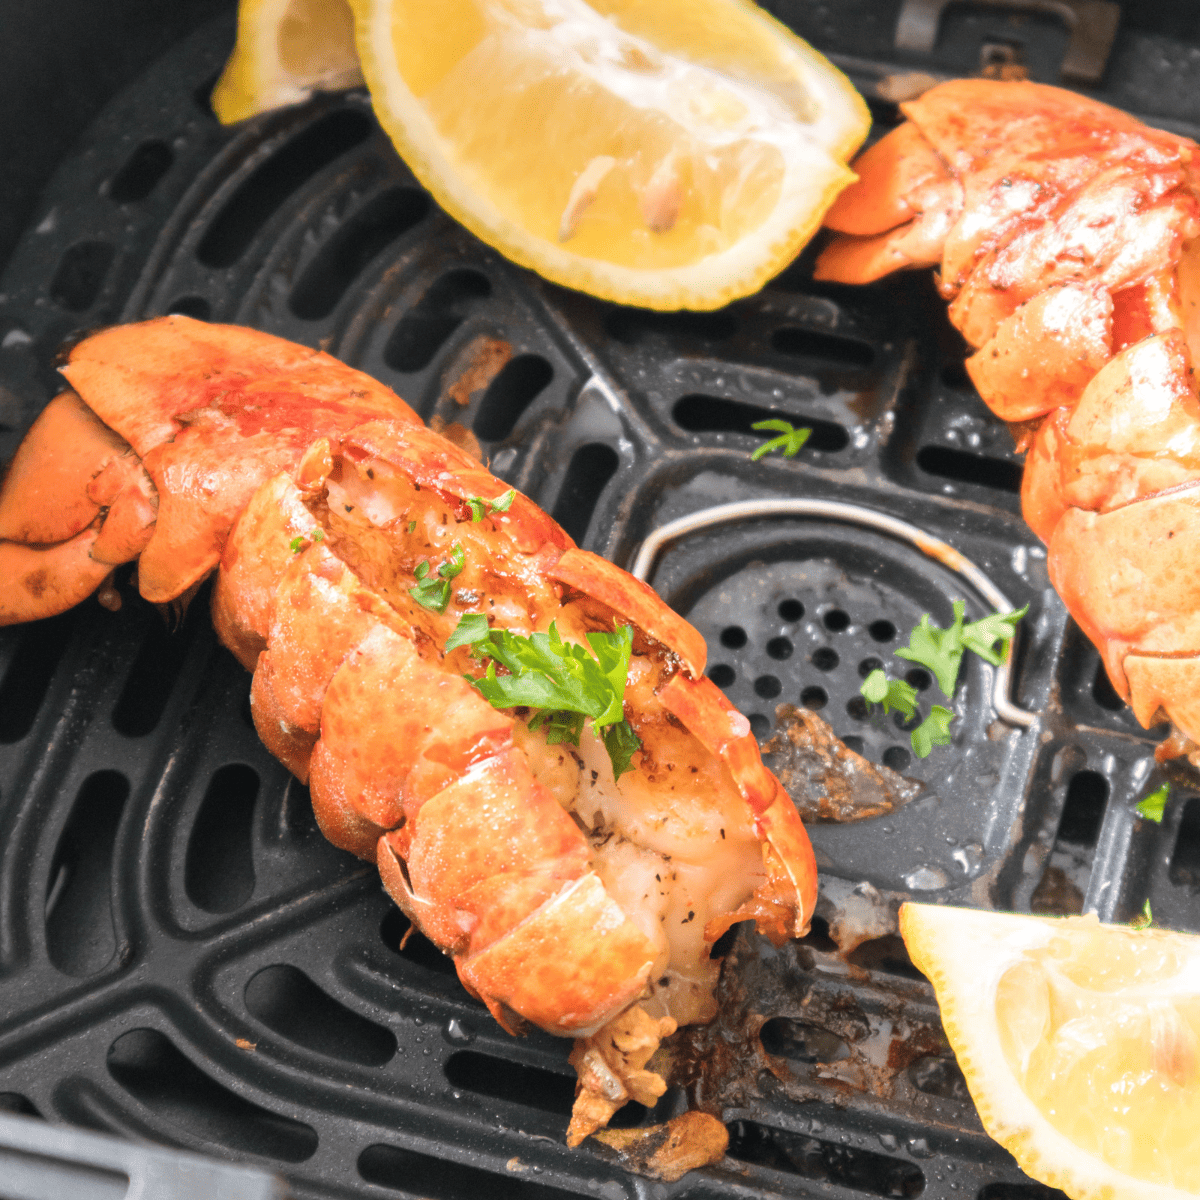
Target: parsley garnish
433, 591
933, 731
412, 526
560, 680
480, 507
1144, 919
298, 542
941, 651
891, 693
789, 440
1155, 804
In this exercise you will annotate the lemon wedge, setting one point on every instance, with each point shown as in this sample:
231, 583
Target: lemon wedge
286, 50
666, 153
1080, 1043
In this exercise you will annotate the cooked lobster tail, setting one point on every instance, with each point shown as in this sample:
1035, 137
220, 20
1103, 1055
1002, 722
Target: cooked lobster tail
349, 541
1067, 236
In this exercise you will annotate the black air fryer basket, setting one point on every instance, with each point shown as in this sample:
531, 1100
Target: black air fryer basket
185, 961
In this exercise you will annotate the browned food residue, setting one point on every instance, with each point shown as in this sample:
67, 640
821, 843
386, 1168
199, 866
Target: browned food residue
485, 358
667, 1152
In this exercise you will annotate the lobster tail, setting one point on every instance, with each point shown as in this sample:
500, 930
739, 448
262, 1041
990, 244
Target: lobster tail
1071, 260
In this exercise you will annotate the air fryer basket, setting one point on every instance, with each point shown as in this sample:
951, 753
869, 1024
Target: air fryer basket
184, 960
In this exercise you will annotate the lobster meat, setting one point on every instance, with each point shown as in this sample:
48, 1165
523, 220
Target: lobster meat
1067, 238
568, 899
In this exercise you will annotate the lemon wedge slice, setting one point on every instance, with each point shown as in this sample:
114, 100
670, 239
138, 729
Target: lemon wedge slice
286, 50
666, 153
1080, 1043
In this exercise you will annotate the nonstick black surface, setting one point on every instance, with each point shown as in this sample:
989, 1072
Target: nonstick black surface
184, 959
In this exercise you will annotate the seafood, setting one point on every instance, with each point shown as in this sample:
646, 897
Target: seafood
568, 898
1067, 238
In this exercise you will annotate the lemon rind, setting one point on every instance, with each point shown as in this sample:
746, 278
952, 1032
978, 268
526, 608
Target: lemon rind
964, 953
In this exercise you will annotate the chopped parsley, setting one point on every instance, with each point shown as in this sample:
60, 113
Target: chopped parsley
790, 438
1154, 805
941, 651
560, 681
1144, 919
480, 507
432, 591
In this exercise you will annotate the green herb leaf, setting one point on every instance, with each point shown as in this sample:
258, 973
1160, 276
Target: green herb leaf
891, 693
561, 680
480, 507
1145, 919
940, 650
1155, 804
789, 441
412, 526
933, 731
433, 592
297, 543
472, 628
318, 536
981, 636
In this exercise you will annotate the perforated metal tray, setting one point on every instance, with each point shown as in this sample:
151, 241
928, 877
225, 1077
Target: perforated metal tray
182, 957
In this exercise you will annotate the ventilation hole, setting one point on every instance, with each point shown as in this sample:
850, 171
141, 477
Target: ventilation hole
780, 648
856, 707
284, 999
733, 637
954, 375
708, 414
163, 1080
417, 949
722, 675
630, 325
80, 275
886, 954
1020, 1191
906, 723
760, 726
588, 473
438, 313
970, 468
501, 1079
285, 172
937, 1076
868, 665
357, 241
152, 677
814, 698
218, 871
882, 631
14, 1102
767, 687
918, 678
519, 383
1103, 691
802, 1042
853, 742
835, 620
817, 937
1185, 859
141, 172
191, 306
440, 1179
791, 610
1083, 811
80, 938
40, 648
825, 659
897, 758
827, 1162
